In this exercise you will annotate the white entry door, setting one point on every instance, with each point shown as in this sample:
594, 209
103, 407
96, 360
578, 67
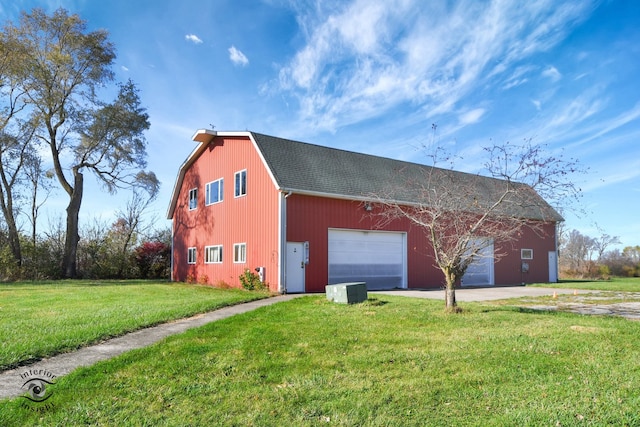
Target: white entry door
553, 267
295, 268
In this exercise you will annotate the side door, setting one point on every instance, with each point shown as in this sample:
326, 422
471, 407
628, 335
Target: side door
295, 268
553, 267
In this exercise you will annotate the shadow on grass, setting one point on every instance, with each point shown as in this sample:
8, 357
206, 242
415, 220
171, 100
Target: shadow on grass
369, 302
519, 309
374, 302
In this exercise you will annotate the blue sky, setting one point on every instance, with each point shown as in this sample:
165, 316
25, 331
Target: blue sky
373, 76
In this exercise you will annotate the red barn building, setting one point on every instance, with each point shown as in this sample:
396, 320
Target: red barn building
299, 212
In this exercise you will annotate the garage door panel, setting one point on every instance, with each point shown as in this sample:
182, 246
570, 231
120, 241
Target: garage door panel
377, 258
480, 271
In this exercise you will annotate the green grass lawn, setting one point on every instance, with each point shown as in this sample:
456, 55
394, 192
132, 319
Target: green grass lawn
623, 284
39, 320
392, 361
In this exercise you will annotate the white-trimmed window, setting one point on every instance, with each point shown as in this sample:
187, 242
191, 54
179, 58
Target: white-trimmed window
193, 199
241, 183
213, 254
526, 253
191, 255
240, 252
213, 192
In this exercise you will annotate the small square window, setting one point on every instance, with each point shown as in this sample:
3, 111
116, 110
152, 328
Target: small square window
191, 256
240, 253
213, 254
193, 199
241, 183
526, 253
213, 192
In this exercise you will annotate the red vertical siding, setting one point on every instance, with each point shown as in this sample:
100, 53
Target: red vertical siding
250, 219
509, 269
310, 218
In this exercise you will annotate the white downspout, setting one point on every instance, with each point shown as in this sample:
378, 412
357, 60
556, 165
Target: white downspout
172, 246
283, 240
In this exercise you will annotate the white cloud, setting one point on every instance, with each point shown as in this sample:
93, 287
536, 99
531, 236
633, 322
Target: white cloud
193, 38
363, 59
123, 68
517, 77
471, 117
576, 111
613, 174
237, 57
536, 103
608, 127
552, 73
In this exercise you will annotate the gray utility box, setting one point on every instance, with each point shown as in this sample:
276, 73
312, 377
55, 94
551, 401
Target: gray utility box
347, 293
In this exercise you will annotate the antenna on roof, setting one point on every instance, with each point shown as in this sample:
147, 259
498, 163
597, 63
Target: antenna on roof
212, 126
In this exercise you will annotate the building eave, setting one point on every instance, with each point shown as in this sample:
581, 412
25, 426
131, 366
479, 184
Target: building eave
203, 137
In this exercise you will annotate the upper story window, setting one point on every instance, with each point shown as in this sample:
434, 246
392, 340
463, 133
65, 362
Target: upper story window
213, 192
193, 198
191, 255
526, 253
241, 183
213, 254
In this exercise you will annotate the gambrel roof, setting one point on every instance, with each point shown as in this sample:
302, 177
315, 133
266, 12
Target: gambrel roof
303, 168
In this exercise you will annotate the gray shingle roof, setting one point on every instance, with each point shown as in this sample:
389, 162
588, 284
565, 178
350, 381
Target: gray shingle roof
309, 168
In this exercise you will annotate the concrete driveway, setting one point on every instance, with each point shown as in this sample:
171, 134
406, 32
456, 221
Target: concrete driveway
587, 302
482, 294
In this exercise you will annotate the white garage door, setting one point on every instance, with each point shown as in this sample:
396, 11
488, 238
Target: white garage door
480, 271
377, 258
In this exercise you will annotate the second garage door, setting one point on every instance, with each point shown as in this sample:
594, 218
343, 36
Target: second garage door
480, 271
375, 257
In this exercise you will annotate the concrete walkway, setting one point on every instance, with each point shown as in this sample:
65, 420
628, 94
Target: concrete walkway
11, 380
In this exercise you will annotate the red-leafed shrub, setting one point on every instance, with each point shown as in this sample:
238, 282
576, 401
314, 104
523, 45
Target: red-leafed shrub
153, 260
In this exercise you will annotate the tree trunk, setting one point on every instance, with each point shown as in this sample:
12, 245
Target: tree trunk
451, 306
12, 229
69, 258
14, 241
123, 253
34, 215
450, 298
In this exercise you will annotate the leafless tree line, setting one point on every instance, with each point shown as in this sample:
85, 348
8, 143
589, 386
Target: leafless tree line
583, 256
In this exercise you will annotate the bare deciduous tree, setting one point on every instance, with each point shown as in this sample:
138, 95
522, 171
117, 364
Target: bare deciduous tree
577, 252
462, 214
602, 243
131, 219
16, 134
38, 179
61, 69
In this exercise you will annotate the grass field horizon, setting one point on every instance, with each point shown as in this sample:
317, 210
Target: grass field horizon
389, 361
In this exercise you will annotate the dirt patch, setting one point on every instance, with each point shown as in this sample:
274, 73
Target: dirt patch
587, 329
